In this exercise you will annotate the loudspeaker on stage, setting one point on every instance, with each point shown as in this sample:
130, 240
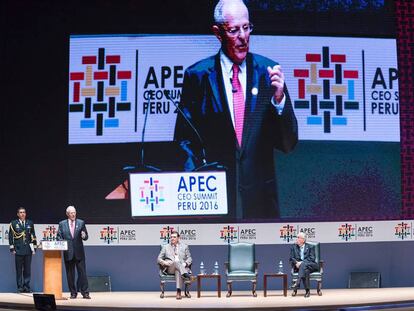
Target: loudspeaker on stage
364, 280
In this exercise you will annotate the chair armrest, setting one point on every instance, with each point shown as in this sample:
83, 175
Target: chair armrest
226, 267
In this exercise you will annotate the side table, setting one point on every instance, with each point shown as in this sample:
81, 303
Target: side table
275, 275
208, 276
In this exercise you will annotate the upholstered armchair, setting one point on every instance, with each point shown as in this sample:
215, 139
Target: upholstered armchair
170, 278
317, 275
241, 266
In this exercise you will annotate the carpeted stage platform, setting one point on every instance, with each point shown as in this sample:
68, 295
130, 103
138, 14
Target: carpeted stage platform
332, 299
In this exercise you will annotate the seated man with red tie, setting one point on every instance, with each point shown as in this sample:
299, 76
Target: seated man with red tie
176, 258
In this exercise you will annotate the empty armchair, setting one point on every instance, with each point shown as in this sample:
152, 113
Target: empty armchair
241, 265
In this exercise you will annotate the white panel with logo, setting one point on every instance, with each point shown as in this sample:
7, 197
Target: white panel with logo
222, 234
341, 88
178, 194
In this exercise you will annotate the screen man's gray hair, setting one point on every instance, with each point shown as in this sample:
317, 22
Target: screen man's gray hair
69, 209
219, 13
302, 235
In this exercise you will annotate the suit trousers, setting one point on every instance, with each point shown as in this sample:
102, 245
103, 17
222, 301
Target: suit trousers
305, 269
23, 271
178, 268
82, 282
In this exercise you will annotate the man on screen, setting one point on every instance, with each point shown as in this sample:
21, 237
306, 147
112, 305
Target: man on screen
22, 241
239, 104
176, 259
73, 230
302, 259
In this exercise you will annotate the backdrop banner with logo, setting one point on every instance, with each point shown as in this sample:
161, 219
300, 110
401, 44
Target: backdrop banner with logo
221, 234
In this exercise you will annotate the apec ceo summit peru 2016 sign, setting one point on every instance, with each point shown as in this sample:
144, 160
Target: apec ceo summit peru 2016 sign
178, 194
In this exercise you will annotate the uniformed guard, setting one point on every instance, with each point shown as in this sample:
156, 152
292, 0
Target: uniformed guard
22, 241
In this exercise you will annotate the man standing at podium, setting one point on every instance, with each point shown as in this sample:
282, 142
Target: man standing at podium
22, 241
74, 231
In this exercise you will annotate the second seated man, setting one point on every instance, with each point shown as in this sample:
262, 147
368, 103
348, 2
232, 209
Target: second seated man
302, 259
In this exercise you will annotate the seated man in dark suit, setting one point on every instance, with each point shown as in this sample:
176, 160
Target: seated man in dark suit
302, 259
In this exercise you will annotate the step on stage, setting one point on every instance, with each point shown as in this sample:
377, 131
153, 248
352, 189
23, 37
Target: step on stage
332, 299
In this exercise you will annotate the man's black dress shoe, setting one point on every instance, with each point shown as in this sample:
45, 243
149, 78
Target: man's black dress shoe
73, 296
187, 294
295, 291
307, 293
178, 296
20, 290
86, 296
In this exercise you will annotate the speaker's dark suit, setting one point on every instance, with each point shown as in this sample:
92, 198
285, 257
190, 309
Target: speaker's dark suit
20, 238
308, 264
250, 168
75, 255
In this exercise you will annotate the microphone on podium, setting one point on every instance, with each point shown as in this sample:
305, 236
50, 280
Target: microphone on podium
205, 165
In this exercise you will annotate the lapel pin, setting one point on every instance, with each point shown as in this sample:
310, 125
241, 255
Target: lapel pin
255, 91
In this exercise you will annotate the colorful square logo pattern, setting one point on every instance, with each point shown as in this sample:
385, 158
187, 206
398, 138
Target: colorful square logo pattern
100, 91
327, 92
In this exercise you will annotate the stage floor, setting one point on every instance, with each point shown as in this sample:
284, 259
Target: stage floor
384, 298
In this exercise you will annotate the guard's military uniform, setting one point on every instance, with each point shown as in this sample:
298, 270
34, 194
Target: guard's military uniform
22, 240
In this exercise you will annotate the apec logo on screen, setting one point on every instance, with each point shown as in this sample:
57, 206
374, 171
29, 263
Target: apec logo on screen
341, 88
337, 95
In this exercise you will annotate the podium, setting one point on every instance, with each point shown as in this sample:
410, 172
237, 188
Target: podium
52, 267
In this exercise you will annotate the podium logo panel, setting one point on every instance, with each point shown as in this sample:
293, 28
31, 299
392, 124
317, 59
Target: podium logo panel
178, 194
50, 233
